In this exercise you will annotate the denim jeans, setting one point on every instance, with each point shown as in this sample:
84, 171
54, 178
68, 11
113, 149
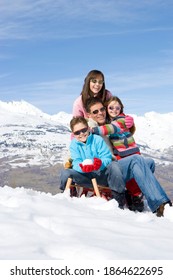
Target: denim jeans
151, 164
111, 176
141, 169
118, 173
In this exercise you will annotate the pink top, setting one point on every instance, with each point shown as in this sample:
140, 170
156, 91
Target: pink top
78, 109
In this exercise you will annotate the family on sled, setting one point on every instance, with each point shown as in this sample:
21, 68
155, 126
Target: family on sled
113, 159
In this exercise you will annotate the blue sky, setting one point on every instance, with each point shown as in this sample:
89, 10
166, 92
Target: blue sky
47, 47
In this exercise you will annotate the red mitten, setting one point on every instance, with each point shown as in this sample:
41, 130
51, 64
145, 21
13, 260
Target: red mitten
129, 121
87, 168
97, 163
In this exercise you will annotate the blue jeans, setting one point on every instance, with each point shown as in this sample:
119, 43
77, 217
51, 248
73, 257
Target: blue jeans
141, 169
118, 173
151, 164
111, 176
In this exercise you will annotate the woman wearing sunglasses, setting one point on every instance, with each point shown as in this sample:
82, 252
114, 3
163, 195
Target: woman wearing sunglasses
94, 86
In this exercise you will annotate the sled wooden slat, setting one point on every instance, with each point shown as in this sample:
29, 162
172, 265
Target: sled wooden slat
95, 186
68, 184
98, 190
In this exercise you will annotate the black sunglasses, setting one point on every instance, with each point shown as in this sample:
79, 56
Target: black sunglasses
78, 132
103, 109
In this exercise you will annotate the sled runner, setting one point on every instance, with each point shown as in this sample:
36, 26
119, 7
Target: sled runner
96, 190
133, 203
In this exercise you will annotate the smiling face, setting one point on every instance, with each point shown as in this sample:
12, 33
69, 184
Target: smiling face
80, 132
98, 113
114, 109
96, 84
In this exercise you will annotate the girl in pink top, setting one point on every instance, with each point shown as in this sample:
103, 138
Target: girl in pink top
94, 86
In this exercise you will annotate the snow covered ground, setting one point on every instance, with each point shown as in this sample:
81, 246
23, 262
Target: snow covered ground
39, 226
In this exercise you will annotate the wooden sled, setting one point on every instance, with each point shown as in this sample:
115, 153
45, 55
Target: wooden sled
97, 190
103, 192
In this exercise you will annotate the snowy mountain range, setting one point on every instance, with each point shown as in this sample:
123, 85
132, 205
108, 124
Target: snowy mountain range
30, 137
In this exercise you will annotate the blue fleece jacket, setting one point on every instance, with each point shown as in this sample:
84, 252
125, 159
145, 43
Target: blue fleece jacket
95, 147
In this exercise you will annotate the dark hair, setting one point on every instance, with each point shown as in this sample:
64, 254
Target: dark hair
76, 120
115, 98
86, 92
92, 101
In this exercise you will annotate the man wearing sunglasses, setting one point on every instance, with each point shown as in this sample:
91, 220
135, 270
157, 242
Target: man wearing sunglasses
134, 166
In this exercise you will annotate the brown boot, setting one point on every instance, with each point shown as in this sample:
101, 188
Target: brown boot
160, 210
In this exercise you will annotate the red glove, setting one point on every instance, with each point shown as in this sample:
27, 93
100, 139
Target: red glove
129, 121
97, 163
87, 168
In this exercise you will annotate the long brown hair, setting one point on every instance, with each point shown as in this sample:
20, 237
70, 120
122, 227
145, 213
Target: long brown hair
106, 104
86, 92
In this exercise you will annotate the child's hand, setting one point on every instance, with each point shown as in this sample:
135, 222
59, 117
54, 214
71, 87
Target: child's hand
97, 163
129, 121
87, 168
68, 164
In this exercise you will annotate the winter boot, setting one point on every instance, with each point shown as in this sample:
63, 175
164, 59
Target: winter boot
134, 203
73, 192
160, 210
120, 198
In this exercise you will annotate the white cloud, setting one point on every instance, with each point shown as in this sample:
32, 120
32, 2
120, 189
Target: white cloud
70, 18
153, 78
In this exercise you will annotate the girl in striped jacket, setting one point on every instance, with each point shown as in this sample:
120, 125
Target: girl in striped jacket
123, 144
120, 136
